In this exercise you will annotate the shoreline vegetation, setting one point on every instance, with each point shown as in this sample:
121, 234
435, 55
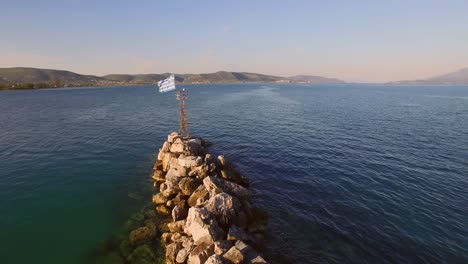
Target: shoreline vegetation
200, 212
33, 78
21, 78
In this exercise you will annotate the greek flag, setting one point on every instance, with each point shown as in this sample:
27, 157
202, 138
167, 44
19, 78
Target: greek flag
167, 84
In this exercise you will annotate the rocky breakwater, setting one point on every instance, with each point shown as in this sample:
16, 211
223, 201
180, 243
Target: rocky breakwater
206, 202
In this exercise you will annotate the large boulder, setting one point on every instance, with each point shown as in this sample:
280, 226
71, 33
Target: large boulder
234, 255
179, 213
190, 161
172, 182
172, 136
200, 194
224, 207
201, 171
200, 253
177, 226
235, 189
183, 254
166, 159
178, 146
159, 199
202, 227
176, 171
194, 146
188, 185
171, 252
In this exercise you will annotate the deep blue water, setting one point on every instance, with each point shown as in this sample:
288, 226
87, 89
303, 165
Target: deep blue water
348, 173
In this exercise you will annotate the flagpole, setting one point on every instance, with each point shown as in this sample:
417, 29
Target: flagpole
182, 96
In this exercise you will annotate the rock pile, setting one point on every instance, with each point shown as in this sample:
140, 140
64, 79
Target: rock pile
209, 217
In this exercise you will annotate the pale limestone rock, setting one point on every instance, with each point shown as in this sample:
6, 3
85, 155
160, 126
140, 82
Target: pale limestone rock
214, 259
198, 193
223, 207
172, 136
178, 146
234, 256
177, 226
166, 146
161, 154
176, 171
202, 227
200, 253
258, 260
183, 254
190, 161
171, 252
237, 190
166, 159
176, 236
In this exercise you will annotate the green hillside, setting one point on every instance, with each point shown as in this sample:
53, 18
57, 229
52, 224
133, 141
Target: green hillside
28, 78
230, 77
32, 75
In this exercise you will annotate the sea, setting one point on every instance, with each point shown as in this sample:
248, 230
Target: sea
348, 173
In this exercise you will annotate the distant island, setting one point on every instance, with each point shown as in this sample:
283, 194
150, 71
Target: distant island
457, 77
34, 78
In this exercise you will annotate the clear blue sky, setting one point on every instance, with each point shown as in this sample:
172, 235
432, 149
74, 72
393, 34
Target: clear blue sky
353, 40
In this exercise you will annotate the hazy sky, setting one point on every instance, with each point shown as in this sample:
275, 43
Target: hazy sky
349, 39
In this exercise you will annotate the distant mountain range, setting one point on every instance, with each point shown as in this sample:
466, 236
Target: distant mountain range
22, 77
314, 79
457, 77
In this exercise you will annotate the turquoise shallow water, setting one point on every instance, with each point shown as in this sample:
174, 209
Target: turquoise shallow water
348, 173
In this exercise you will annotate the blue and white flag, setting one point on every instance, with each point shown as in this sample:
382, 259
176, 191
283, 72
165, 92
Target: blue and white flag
167, 84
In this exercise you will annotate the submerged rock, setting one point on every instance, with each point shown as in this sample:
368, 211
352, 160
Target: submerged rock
142, 255
142, 235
